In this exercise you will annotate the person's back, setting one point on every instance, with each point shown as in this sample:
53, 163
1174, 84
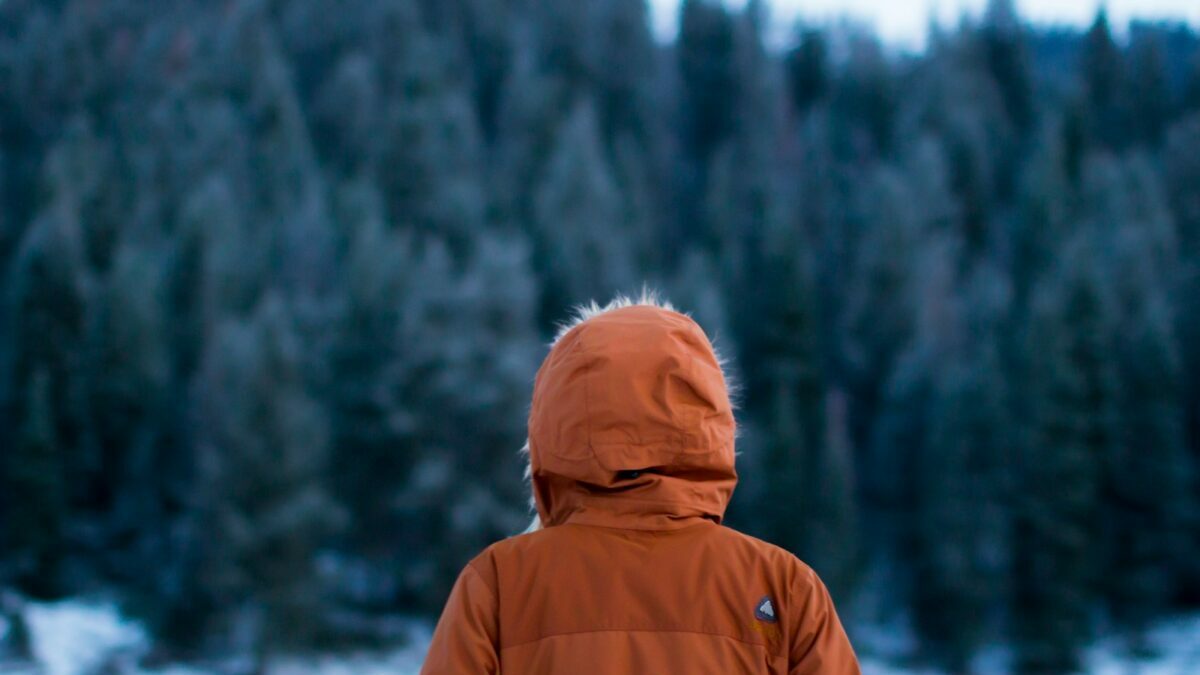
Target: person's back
631, 444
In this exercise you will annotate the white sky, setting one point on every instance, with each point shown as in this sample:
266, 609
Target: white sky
904, 22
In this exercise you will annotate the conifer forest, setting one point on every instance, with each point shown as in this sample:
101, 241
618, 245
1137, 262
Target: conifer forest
276, 276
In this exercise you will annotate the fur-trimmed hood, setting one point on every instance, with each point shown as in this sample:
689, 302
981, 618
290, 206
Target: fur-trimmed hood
631, 423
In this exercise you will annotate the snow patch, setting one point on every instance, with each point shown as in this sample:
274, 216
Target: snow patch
1172, 645
72, 637
404, 661
78, 637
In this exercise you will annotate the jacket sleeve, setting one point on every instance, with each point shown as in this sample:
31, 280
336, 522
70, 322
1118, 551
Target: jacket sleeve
818, 643
465, 641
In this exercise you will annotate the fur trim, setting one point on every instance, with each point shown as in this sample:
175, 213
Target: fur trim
586, 311
536, 523
580, 314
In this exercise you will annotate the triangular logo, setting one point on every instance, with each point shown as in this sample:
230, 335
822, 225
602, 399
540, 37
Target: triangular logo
765, 610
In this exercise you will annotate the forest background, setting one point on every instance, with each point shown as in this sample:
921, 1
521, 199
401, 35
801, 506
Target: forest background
275, 278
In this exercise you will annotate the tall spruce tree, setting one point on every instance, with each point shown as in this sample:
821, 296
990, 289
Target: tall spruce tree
582, 236
378, 357
1183, 195
706, 55
1152, 503
878, 314
1148, 481
961, 479
1104, 78
49, 299
1071, 434
785, 381
807, 65
1150, 96
428, 367
35, 503
128, 379
864, 101
1006, 54
263, 509
428, 158
960, 532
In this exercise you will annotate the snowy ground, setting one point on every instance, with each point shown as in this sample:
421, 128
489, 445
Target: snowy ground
82, 638
1174, 645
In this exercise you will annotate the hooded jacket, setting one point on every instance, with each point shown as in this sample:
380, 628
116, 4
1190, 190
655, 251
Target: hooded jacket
631, 449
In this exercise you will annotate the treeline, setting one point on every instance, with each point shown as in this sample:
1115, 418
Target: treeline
277, 276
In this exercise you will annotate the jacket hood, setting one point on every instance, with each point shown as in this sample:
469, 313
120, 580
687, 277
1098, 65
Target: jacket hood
631, 424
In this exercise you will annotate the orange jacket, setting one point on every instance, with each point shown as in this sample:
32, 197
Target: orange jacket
631, 438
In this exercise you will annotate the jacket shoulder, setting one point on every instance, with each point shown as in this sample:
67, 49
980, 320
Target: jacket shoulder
776, 560
486, 563
514, 545
769, 552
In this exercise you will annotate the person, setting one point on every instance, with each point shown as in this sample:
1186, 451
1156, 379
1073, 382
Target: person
627, 567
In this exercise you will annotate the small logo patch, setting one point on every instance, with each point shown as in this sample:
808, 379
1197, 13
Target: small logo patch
765, 610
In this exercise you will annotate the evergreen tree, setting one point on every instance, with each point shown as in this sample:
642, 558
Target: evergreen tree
292, 197
35, 497
977, 139
263, 508
696, 286
1104, 80
568, 40
900, 431
489, 44
1073, 392
706, 55
428, 376
128, 381
628, 73
878, 313
48, 301
832, 541
582, 237
1190, 98
428, 157
808, 69
1149, 477
961, 481
1007, 57
786, 382
1183, 196
1151, 495
484, 326
1182, 167
864, 101
378, 359
345, 113
1150, 96
959, 528
1046, 206
530, 118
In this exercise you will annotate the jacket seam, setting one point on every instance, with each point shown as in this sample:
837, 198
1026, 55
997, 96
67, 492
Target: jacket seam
483, 580
764, 647
629, 528
587, 398
609, 499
